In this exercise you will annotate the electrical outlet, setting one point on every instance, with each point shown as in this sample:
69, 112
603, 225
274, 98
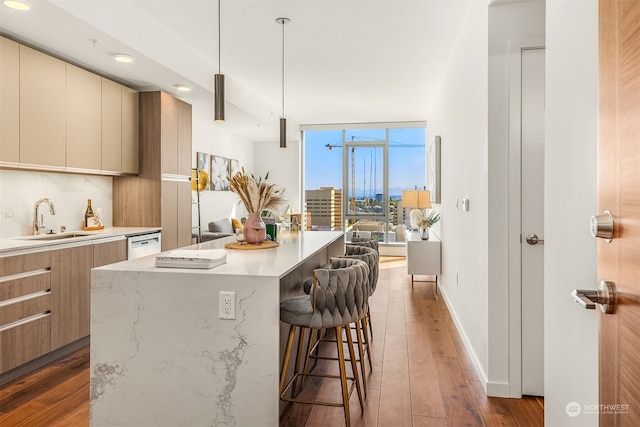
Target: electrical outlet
227, 305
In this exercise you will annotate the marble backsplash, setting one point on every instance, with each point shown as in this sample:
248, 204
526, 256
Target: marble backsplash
19, 191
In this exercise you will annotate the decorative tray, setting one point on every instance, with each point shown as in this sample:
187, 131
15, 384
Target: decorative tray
251, 246
100, 227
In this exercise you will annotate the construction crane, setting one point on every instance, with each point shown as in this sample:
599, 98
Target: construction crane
353, 166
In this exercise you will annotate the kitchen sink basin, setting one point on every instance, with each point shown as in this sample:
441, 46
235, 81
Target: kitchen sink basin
55, 236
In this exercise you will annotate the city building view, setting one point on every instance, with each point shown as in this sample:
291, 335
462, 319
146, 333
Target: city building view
354, 179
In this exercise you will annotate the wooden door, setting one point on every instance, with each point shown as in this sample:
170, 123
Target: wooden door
619, 192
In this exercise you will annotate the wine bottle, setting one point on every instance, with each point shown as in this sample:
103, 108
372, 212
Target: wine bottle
89, 216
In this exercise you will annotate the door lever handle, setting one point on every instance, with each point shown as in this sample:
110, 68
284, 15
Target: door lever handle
605, 296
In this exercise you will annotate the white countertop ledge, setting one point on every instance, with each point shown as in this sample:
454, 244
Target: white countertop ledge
276, 262
15, 245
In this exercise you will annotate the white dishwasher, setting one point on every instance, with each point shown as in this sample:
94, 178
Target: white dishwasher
143, 244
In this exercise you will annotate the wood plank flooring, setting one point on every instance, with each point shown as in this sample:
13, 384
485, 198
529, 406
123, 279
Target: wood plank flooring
421, 377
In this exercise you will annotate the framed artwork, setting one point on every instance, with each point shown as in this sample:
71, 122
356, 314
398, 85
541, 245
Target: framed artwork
202, 161
202, 164
219, 173
234, 167
433, 169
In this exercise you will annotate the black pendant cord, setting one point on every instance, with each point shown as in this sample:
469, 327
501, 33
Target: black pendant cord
283, 22
219, 40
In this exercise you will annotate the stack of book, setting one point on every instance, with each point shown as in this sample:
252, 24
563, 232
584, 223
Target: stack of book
192, 258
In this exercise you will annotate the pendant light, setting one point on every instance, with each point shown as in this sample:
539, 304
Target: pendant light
218, 83
283, 120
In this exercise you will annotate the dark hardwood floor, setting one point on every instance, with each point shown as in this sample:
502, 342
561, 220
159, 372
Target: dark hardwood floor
422, 375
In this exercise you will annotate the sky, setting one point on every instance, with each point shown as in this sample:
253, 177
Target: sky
323, 166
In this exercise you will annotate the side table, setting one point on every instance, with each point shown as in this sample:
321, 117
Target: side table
423, 256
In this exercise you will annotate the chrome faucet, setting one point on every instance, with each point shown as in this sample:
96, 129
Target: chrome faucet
38, 226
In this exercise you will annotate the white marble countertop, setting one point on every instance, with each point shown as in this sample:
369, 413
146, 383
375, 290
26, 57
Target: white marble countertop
293, 249
17, 244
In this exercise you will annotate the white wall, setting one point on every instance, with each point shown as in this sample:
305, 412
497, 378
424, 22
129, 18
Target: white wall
571, 355
507, 23
284, 168
460, 118
19, 191
217, 139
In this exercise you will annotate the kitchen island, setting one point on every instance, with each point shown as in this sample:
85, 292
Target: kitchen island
160, 354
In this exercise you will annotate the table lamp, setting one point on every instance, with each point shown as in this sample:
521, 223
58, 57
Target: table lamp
416, 200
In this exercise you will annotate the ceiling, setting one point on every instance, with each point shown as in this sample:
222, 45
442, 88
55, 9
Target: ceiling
345, 61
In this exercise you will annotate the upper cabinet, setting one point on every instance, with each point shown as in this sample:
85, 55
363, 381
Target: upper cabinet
111, 126
130, 133
84, 119
9, 101
42, 109
56, 116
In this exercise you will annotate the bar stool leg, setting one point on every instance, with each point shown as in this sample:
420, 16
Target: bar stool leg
361, 353
343, 376
310, 343
354, 368
367, 341
287, 355
298, 356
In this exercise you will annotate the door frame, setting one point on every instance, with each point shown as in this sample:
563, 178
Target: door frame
516, 46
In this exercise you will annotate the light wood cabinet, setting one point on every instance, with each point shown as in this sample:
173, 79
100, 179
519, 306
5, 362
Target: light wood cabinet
111, 125
184, 157
9, 101
70, 294
25, 308
42, 109
168, 133
56, 116
161, 194
83, 118
130, 133
109, 252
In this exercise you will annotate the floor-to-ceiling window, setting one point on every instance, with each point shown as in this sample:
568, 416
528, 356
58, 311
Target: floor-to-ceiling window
354, 176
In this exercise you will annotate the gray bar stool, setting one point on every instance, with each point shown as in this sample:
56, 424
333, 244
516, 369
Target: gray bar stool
338, 297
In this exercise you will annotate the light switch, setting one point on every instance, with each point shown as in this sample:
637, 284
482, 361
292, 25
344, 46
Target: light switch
465, 205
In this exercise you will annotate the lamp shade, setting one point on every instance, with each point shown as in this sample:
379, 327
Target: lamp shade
410, 198
424, 200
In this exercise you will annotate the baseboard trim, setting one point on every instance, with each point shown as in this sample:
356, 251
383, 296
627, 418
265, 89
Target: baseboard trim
465, 340
496, 389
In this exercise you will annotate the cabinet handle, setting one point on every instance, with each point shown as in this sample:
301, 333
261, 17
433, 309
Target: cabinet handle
25, 321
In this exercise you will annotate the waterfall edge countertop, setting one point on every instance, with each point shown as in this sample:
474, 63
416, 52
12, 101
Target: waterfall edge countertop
14, 245
292, 250
161, 353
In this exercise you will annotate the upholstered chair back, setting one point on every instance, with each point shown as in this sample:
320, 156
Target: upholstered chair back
339, 295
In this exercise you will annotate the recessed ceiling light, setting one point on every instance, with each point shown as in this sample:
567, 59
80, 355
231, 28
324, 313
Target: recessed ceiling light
182, 88
123, 57
17, 4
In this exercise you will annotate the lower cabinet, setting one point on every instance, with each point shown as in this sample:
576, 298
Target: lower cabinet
70, 294
25, 308
45, 298
108, 251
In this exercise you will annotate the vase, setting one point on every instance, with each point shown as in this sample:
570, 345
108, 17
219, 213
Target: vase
254, 228
424, 233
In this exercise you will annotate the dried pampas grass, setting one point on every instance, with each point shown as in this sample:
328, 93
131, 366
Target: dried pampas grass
257, 195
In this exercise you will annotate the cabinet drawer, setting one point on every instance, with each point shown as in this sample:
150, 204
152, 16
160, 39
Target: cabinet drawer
24, 263
25, 341
24, 284
27, 306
